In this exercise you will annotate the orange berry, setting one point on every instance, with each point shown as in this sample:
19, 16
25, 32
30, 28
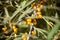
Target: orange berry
35, 22
32, 5
24, 37
15, 30
29, 21
4, 29
38, 16
39, 13
34, 8
41, 6
33, 32
14, 27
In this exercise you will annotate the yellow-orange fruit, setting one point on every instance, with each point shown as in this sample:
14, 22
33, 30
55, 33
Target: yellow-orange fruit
29, 21
4, 29
39, 13
38, 9
15, 30
35, 22
34, 8
14, 27
32, 5
24, 37
33, 32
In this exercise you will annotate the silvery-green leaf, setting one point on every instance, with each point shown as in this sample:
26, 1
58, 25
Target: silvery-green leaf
23, 3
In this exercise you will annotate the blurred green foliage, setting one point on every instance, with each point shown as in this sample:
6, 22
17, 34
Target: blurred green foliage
15, 12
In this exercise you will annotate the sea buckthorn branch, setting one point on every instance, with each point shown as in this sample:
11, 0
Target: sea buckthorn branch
53, 31
16, 4
54, 7
31, 26
37, 10
12, 36
19, 9
24, 13
30, 21
31, 10
41, 31
51, 18
7, 15
6, 12
28, 12
48, 23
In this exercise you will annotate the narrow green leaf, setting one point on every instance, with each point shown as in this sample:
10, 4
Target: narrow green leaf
41, 30
51, 18
53, 32
24, 13
23, 3
56, 15
6, 12
19, 9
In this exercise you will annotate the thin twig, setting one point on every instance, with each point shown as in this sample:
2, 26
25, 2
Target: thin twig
41, 31
24, 13
51, 18
47, 22
54, 7
30, 31
6, 12
19, 9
